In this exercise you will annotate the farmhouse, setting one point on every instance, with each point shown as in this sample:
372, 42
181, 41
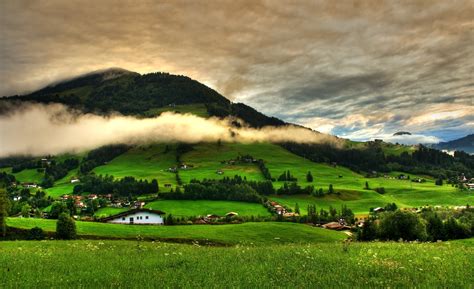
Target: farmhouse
137, 216
29, 185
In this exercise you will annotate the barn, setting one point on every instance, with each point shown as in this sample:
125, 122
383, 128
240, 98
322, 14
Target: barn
139, 216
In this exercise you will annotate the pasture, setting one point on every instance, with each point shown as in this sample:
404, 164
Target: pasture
246, 233
101, 264
144, 162
180, 208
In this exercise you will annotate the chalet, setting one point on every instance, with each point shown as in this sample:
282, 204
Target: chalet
167, 185
92, 197
231, 214
29, 185
288, 215
279, 209
138, 205
137, 216
65, 197
75, 180
379, 210
79, 204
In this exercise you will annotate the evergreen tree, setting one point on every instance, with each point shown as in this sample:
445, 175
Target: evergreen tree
309, 177
331, 189
367, 185
4, 207
65, 227
297, 209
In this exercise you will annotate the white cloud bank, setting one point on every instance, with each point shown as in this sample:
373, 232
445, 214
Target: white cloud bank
53, 129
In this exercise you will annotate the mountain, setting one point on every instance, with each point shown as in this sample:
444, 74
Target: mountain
462, 144
142, 95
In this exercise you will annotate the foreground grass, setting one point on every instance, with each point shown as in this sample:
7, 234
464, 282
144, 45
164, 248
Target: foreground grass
246, 233
203, 207
130, 264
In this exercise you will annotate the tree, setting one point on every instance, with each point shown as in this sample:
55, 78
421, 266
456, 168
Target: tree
297, 209
367, 185
402, 225
331, 189
439, 182
36, 233
25, 211
368, 232
65, 227
435, 228
309, 177
4, 207
57, 209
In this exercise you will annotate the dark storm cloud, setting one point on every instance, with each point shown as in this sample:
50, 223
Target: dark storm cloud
347, 67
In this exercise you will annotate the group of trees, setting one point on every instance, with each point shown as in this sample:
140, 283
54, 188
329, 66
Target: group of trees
56, 171
101, 156
424, 161
215, 190
287, 177
332, 215
119, 187
294, 189
427, 226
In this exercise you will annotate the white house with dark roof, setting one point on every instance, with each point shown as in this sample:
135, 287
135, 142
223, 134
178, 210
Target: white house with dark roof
137, 216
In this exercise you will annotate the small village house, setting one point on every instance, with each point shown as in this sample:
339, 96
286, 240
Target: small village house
137, 216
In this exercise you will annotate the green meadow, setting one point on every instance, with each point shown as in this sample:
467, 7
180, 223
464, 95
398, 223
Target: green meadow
144, 162
101, 264
206, 159
28, 175
245, 233
181, 208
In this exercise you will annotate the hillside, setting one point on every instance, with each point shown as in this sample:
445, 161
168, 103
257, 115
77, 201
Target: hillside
465, 144
118, 90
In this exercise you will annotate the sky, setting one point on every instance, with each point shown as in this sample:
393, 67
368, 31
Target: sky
356, 69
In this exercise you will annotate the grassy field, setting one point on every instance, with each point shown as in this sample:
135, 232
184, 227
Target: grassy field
153, 161
109, 211
28, 175
204, 207
102, 264
206, 159
144, 162
246, 233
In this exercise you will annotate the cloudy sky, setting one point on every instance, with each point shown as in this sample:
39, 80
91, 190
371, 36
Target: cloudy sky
357, 69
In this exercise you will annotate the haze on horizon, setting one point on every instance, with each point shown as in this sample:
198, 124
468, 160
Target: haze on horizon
356, 69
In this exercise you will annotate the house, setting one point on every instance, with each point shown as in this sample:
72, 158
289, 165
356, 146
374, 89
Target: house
75, 180
79, 204
470, 186
92, 197
138, 204
29, 185
65, 197
288, 215
231, 214
379, 210
335, 226
219, 172
137, 216
167, 185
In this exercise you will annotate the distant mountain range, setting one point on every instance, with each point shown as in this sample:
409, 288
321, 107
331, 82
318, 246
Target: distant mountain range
462, 144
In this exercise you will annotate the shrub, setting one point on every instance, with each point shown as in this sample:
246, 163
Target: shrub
36, 233
65, 227
380, 190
